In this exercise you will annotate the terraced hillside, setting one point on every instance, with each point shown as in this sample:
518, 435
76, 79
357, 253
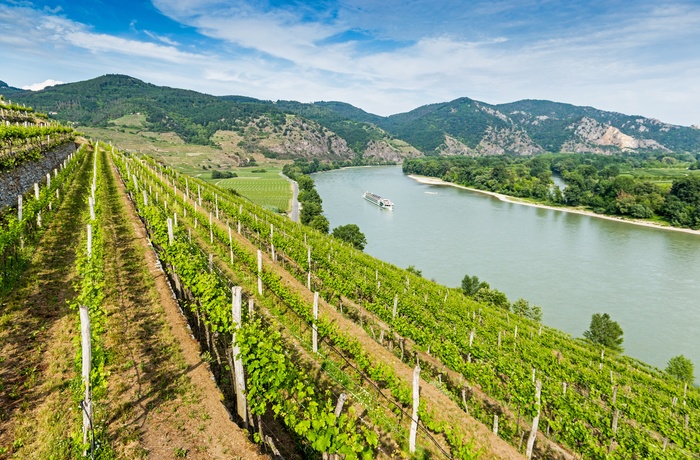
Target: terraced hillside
483, 358
317, 349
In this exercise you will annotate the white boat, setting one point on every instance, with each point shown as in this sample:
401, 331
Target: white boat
375, 199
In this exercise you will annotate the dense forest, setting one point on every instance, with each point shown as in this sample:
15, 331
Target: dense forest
614, 185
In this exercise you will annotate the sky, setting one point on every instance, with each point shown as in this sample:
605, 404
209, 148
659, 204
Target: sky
638, 57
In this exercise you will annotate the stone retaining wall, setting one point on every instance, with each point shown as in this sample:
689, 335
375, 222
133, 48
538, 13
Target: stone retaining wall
22, 178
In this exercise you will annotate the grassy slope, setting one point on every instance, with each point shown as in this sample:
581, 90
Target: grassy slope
268, 189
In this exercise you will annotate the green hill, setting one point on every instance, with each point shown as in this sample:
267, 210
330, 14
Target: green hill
463, 126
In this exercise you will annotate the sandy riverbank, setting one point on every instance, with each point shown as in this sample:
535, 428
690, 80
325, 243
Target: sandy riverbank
510, 199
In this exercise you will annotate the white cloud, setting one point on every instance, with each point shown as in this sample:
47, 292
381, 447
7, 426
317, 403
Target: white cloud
109, 43
161, 38
43, 32
42, 85
643, 60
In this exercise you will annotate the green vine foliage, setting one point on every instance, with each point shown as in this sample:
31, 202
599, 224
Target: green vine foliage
31, 143
17, 238
273, 380
579, 418
380, 373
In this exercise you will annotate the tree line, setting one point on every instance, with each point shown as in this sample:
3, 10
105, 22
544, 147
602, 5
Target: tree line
311, 213
600, 183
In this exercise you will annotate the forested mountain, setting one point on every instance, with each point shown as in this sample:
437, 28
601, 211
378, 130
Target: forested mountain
194, 116
340, 131
7, 90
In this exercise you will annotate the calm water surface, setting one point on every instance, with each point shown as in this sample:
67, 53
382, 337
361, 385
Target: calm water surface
571, 265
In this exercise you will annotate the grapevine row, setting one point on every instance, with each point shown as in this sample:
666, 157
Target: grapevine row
273, 381
382, 373
18, 235
425, 307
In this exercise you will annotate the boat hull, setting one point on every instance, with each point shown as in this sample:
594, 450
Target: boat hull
378, 201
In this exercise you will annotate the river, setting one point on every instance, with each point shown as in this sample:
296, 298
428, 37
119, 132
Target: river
572, 265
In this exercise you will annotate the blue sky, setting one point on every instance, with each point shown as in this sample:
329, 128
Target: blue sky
637, 57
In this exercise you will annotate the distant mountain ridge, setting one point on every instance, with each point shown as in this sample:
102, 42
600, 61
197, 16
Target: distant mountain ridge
337, 130
7, 90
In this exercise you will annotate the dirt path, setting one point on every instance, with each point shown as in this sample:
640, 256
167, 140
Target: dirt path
37, 332
162, 400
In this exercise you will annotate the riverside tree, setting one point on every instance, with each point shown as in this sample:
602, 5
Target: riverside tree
471, 285
681, 368
523, 308
604, 331
351, 233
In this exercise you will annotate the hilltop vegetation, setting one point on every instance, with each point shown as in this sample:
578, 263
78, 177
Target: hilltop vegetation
337, 131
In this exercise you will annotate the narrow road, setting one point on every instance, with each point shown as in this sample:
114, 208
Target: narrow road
294, 215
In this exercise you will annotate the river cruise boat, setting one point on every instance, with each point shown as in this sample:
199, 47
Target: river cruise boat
375, 199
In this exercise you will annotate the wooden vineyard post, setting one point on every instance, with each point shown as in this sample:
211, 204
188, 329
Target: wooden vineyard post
211, 230
171, 236
36, 191
217, 205
314, 326
87, 362
91, 201
272, 244
339, 404
241, 409
535, 421
495, 424
230, 243
89, 241
48, 180
19, 208
396, 306
308, 276
260, 272
414, 415
199, 195
471, 338
145, 198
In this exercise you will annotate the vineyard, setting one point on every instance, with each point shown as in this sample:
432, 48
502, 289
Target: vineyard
318, 350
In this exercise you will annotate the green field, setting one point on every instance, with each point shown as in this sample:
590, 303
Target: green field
662, 177
662, 174
267, 189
